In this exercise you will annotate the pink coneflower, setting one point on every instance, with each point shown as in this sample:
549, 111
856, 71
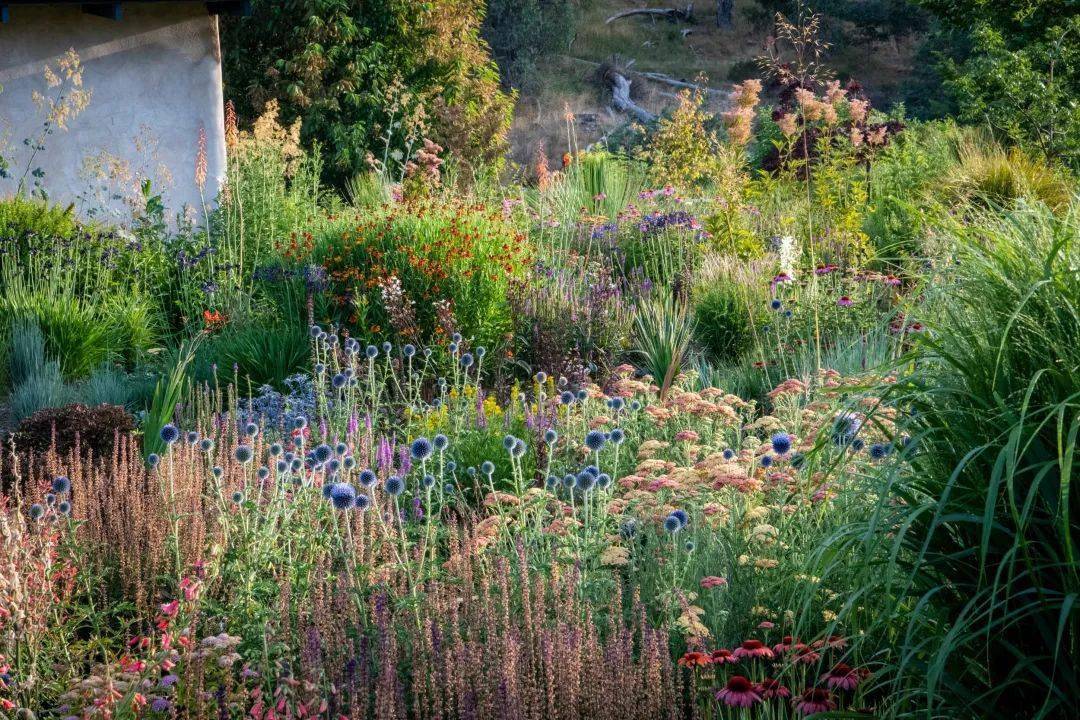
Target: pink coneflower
835, 642
723, 656
785, 644
805, 655
753, 649
825, 269
845, 301
712, 581
892, 280
815, 700
841, 676
770, 688
739, 692
766, 625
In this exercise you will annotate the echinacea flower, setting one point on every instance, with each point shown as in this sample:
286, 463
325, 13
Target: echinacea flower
753, 649
815, 700
785, 644
841, 676
770, 688
845, 301
739, 692
723, 656
694, 660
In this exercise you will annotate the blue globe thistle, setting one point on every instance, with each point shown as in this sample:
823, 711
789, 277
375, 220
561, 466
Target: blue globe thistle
449, 489
339, 381
776, 304
582, 395
550, 436
64, 507
481, 352
451, 466
427, 352
845, 427
289, 457
192, 437
689, 546
238, 497
635, 405
628, 528
566, 397
453, 348
409, 350
37, 511
394, 485
349, 462
387, 347
341, 448
263, 473
331, 340
327, 488
371, 351
428, 481
879, 450
421, 448
323, 453
169, 434
251, 429
857, 444
592, 470
585, 481
152, 460
540, 377
61, 484
466, 360
519, 448
766, 461
362, 502
315, 331
206, 445
603, 481
551, 482
683, 518
788, 313
319, 369
672, 524
781, 443
244, 454
282, 466
470, 471
595, 440
343, 496
456, 337
217, 471
296, 464
508, 442
333, 466
487, 467
50, 498
299, 422
569, 481
617, 404
275, 449
617, 436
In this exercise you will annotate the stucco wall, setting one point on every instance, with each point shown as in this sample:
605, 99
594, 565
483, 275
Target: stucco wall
155, 83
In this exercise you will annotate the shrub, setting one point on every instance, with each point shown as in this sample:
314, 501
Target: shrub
262, 354
722, 326
95, 428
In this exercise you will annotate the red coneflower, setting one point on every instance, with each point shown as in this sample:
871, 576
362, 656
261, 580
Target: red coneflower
770, 688
723, 656
695, 659
805, 655
845, 301
753, 649
841, 676
739, 692
815, 700
785, 644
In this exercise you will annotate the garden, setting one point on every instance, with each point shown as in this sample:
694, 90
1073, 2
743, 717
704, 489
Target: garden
763, 413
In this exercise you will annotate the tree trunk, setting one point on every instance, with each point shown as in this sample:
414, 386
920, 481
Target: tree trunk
724, 11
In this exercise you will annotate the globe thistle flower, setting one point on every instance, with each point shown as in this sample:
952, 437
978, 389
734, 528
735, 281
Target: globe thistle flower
408, 350
371, 352
540, 377
798, 460
519, 448
595, 440
238, 497
60, 484
421, 448
349, 462
766, 461
451, 466
617, 403
427, 352
319, 369
64, 507
569, 481
387, 347
508, 442
152, 460
367, 478
275, 449
582, 395
244, 454
341, 448
263, 473
315, 331
681, 516
327, 488
343, 496
37, 511
551, 482
453, 348
845, 427
672, 524
617, 436
394, 485
282, 466
628, 528
586, 481
50, 498
192, 437
362, 502
689, 546
470, 471
323, 453
481, 352
635, 405
487, 467
603, 481
206, 445
781, 443
217, 471
299, 422
857, 444
289, 457
550, 436
448, 489
566, 397
729, 454
466, 360
296, 464
879, 450
456, 337
333, 466
169, 434
428, 481
776, 304
339, 381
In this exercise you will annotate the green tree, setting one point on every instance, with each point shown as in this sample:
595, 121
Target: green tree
369, 80
522, 32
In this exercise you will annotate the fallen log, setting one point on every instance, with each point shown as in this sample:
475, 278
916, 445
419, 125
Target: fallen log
668, 80
620, 96
672, 14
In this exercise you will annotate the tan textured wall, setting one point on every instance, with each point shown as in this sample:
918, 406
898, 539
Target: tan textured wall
155, 79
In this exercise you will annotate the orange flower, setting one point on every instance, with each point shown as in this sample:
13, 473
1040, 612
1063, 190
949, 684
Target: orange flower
695, 659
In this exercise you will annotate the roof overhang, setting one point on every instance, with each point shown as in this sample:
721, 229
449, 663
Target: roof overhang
115, 10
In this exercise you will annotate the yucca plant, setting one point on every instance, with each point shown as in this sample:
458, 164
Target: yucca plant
664, 331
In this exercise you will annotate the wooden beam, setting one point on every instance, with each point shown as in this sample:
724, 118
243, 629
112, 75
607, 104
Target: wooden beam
241, 8
109, 11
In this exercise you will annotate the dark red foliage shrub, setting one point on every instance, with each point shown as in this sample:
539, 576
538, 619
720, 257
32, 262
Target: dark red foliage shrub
96, 428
